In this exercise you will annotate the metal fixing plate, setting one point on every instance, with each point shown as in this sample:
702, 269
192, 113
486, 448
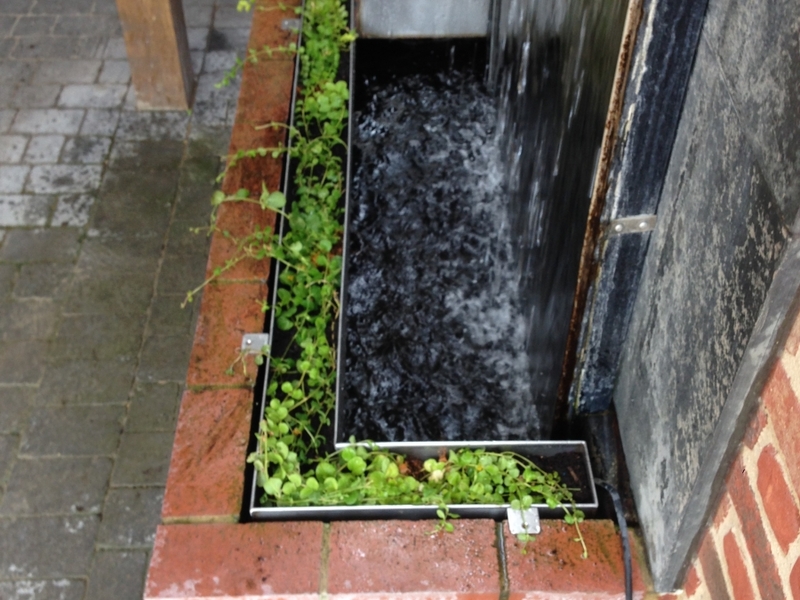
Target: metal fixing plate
524, 521
291, 24
637, 224
253, 343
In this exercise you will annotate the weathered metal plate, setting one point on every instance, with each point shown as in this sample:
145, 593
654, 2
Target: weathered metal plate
422, 18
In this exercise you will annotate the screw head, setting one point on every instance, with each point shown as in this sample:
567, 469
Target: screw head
643, 225
619, 227
248, 341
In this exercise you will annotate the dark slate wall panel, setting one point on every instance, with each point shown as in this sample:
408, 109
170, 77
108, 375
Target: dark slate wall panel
756, 45
719, 239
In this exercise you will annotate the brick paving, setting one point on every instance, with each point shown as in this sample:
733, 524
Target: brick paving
96, 205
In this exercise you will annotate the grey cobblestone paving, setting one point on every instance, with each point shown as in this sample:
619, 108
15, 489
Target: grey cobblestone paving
96, 205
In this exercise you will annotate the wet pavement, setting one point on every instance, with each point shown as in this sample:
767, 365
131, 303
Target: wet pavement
96, 205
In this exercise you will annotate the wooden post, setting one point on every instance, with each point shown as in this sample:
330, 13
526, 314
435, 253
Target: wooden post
158, 53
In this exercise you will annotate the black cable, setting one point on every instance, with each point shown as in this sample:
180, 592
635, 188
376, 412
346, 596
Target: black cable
623, 532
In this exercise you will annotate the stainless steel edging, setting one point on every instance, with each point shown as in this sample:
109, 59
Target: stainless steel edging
422, 451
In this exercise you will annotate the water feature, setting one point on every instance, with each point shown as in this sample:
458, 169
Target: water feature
552, 65
468, 219
435, 335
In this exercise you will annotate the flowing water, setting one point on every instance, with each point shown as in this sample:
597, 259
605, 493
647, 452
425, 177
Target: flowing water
467, 217
435, 336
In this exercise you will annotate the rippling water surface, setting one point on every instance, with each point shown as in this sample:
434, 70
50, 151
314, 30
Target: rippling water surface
435, 336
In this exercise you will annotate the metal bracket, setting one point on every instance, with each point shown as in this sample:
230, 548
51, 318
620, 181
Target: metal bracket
637, 224
524, 521
253, 343
291, 24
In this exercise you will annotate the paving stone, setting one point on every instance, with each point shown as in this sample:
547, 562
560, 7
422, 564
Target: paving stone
6, 24
43, 280
143, 459
227, 16
41, 589
64, 179
50, 47
36, 96
115, 71
8, 275
6, 117
227, 38
212, 106
56, 430
8, 452
219, 62
44, 149
99, 95
17, 403
104, 7
153, 125
194, 207
135, 202
73, 210
199, 16
146, 155
21, 362
47, 547
118, 575
186, 241
8, 47
12, 178
17, 71
7, 91
164, 358
197, 59
130, 100
17, 7
12, 147
100, 121
115, 49
62, 7
198, 37
67, 71
154, 407
90, 47
179, 275
114, 277
34, 25
86, 150
168, 318
24, 210
30, 319
48, 121
116, 293
100, 337
36, 245
107, 25
73, 486
74, 382
130, 517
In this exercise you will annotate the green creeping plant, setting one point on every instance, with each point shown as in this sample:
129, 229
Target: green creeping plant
290, 463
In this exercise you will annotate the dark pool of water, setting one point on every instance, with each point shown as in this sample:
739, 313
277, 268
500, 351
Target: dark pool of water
435, 342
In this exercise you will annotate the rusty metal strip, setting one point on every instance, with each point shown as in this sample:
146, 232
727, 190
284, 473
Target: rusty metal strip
588, 266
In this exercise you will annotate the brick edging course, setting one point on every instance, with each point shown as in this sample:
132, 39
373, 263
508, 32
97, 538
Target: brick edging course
201, 552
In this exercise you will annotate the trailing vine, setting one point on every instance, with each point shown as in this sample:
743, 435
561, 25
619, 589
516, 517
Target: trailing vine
292, 464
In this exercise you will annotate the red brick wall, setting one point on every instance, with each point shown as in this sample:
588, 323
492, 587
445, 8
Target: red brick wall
751, 549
